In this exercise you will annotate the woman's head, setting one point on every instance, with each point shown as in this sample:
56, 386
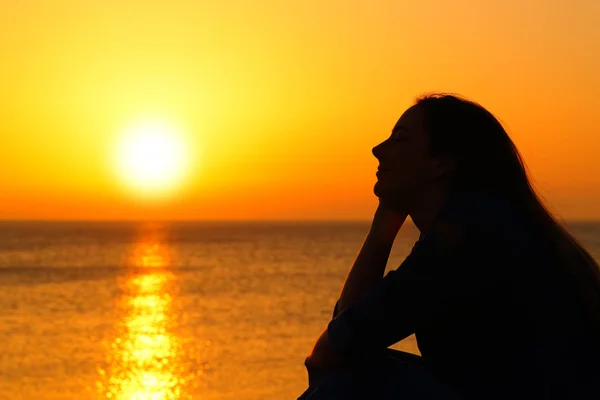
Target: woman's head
407, 168
447, 143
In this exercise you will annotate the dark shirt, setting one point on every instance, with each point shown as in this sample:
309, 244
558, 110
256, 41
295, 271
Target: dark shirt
493, 315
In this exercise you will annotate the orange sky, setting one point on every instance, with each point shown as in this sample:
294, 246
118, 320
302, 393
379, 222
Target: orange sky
283, 100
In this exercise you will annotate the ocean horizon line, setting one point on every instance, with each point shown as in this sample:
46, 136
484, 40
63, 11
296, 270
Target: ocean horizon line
194, 220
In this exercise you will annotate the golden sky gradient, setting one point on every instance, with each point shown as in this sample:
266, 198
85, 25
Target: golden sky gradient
283, 100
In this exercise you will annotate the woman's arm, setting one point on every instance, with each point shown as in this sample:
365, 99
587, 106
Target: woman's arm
445, 268
365, 274
371, 261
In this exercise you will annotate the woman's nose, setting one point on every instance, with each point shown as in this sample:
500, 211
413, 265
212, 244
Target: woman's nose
377, 150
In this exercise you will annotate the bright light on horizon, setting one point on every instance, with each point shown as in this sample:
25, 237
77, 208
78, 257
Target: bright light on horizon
152, 159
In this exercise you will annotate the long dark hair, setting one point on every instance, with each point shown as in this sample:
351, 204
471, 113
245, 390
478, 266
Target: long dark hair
487, 160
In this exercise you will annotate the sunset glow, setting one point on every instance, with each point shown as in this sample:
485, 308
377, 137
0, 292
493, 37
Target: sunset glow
284, 99
152, 159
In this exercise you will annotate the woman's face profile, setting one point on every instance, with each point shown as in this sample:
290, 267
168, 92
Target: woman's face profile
404, 158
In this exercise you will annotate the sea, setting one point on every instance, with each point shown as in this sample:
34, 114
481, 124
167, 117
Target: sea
175, 310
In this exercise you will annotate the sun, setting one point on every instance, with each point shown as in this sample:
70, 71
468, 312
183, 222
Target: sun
152, 158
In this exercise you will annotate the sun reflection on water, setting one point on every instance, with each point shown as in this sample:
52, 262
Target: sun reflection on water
146, 359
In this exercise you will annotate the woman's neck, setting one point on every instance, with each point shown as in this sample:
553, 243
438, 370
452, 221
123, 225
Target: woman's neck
426, 210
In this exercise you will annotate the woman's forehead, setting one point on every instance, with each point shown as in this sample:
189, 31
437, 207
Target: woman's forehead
412, 120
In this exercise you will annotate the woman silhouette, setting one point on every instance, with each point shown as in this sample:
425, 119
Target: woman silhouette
504, 302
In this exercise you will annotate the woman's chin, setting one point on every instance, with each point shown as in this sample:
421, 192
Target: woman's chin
380, 189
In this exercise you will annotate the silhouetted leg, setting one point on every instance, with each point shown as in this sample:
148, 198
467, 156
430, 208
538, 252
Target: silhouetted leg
396, 375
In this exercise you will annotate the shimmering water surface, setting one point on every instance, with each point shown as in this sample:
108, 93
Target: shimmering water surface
162, 311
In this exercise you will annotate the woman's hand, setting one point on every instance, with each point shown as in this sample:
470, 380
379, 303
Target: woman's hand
387, 221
